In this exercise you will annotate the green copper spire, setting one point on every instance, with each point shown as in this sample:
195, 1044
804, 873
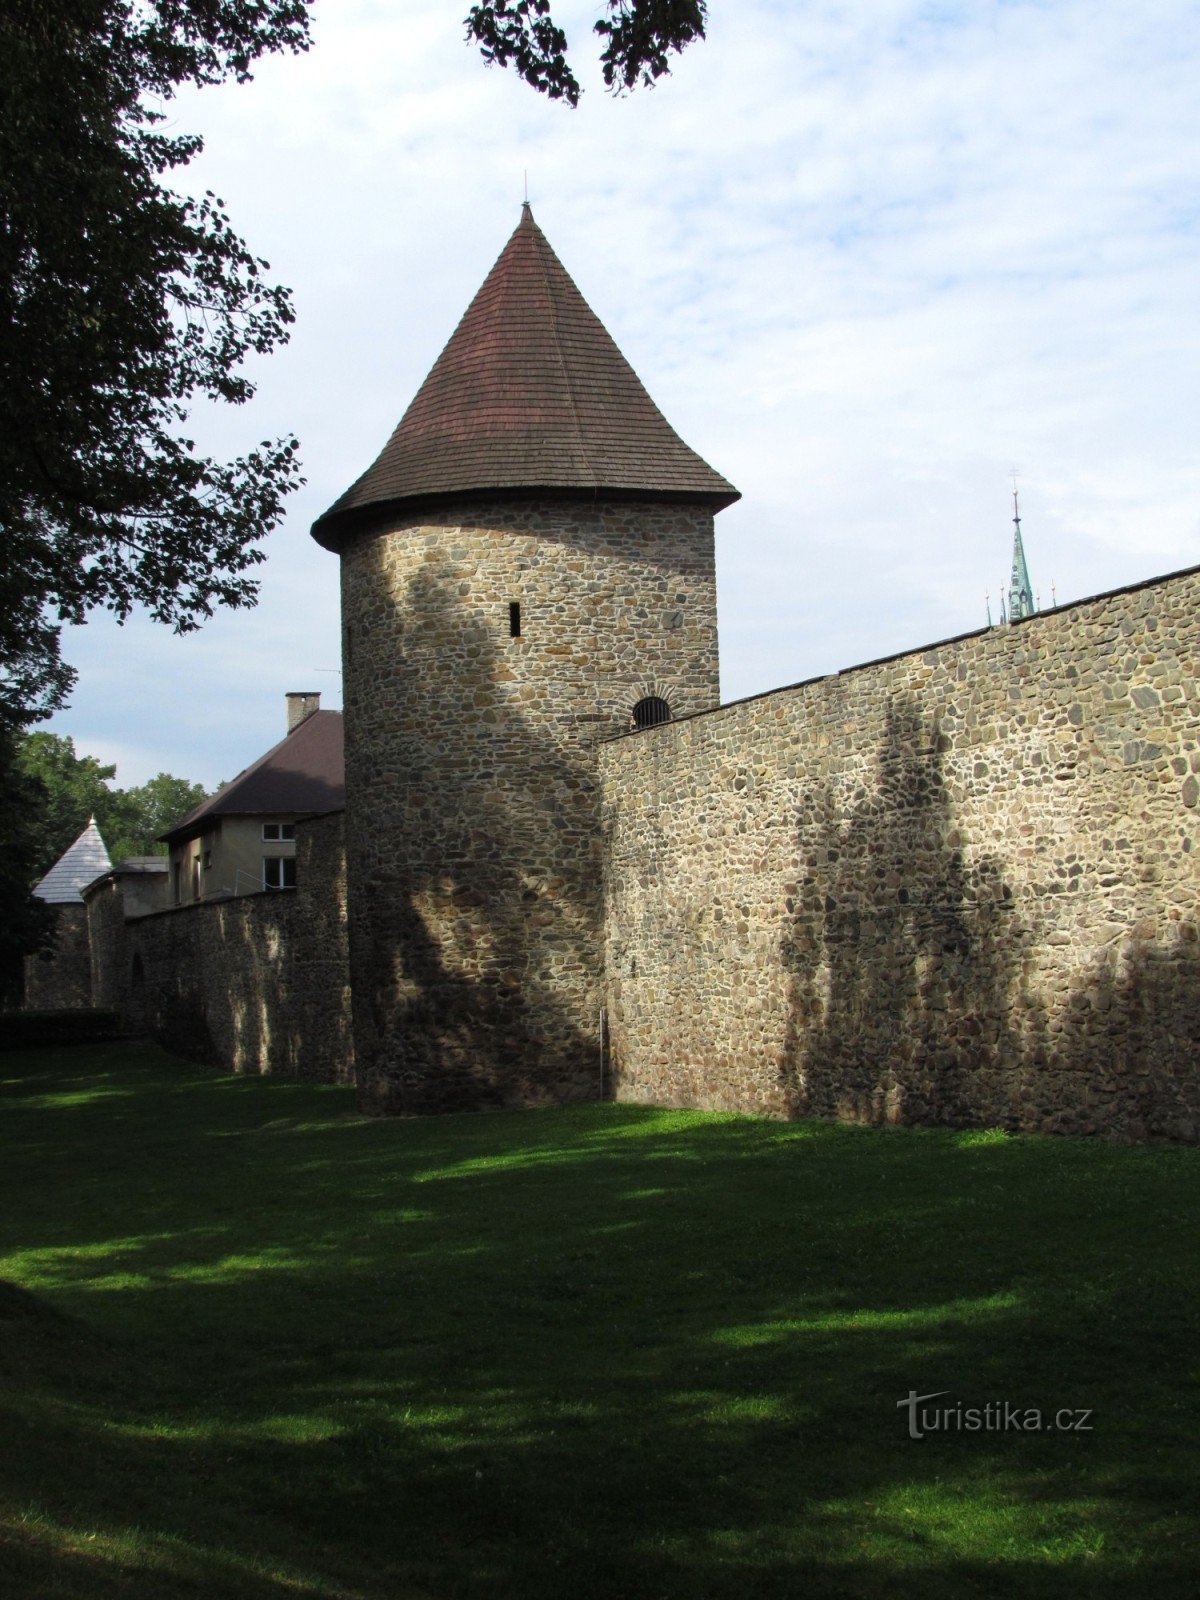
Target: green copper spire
1020, 590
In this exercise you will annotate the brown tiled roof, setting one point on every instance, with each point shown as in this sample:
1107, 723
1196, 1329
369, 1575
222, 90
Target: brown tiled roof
304, 775
530, 393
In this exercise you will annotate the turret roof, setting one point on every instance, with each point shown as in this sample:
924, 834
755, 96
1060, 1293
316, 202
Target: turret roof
79, 864
530, 393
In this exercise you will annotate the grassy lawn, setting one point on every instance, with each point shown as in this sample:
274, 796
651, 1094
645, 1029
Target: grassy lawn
254, 1346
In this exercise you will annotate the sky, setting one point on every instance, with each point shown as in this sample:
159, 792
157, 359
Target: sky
869, 261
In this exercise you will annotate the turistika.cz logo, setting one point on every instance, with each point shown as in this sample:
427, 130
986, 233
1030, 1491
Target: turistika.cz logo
997, 1416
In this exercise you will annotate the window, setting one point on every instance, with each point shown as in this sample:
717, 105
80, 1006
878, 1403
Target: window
514, 618
648, 713
195, 877
279, 872
279, 832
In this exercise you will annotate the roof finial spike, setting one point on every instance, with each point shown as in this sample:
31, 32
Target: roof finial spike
988, 600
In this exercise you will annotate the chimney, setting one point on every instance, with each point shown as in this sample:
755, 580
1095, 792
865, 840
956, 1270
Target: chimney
301, 703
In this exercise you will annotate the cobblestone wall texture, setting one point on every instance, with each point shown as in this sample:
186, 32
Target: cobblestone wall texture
59, 979
473, 803
256, 984
107, 945
955, 887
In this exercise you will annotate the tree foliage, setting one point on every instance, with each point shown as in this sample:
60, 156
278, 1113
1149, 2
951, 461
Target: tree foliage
26, 924
142, 813
639, 37
122, 304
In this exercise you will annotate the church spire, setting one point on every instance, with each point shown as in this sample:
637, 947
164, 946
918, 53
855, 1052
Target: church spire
1020, 590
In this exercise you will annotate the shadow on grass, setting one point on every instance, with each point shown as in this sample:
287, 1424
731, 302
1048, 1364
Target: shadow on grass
267, 1347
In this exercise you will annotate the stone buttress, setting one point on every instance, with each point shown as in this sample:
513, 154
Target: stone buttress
527, 570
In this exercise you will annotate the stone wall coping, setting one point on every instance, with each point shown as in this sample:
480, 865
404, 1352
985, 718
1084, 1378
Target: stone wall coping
219, 900
901, 655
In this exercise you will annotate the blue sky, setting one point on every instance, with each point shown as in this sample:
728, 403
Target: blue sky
866, 259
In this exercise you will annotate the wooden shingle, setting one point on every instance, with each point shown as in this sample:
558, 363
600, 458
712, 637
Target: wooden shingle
530, 393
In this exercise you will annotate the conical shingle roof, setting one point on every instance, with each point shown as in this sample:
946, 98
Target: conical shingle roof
530, 393
80, 864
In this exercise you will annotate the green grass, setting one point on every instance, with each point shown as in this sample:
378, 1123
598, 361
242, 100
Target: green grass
257, 1347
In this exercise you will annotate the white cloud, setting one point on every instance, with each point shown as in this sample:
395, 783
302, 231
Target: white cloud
866, 260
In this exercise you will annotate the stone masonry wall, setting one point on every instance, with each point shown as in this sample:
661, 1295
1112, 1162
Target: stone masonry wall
473, 803
108, 947
58, 979
959, 886
258, 984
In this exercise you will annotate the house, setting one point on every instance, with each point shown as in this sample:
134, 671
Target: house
243, 839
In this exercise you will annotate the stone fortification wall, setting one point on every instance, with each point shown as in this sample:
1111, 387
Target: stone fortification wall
322, 1026
107, 945
59, 978
259, 983
473, 802
959, 886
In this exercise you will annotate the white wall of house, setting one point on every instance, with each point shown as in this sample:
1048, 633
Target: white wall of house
235, 855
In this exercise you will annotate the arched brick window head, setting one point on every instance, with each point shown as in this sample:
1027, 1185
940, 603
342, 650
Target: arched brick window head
648, 713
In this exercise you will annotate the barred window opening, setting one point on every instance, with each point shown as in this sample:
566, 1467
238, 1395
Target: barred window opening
648, 713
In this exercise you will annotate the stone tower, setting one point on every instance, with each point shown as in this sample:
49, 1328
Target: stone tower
527, 569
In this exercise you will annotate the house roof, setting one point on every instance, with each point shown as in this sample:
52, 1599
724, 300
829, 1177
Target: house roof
303, 775
78, 865
531, 393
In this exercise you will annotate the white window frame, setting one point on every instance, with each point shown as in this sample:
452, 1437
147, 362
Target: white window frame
280, 864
